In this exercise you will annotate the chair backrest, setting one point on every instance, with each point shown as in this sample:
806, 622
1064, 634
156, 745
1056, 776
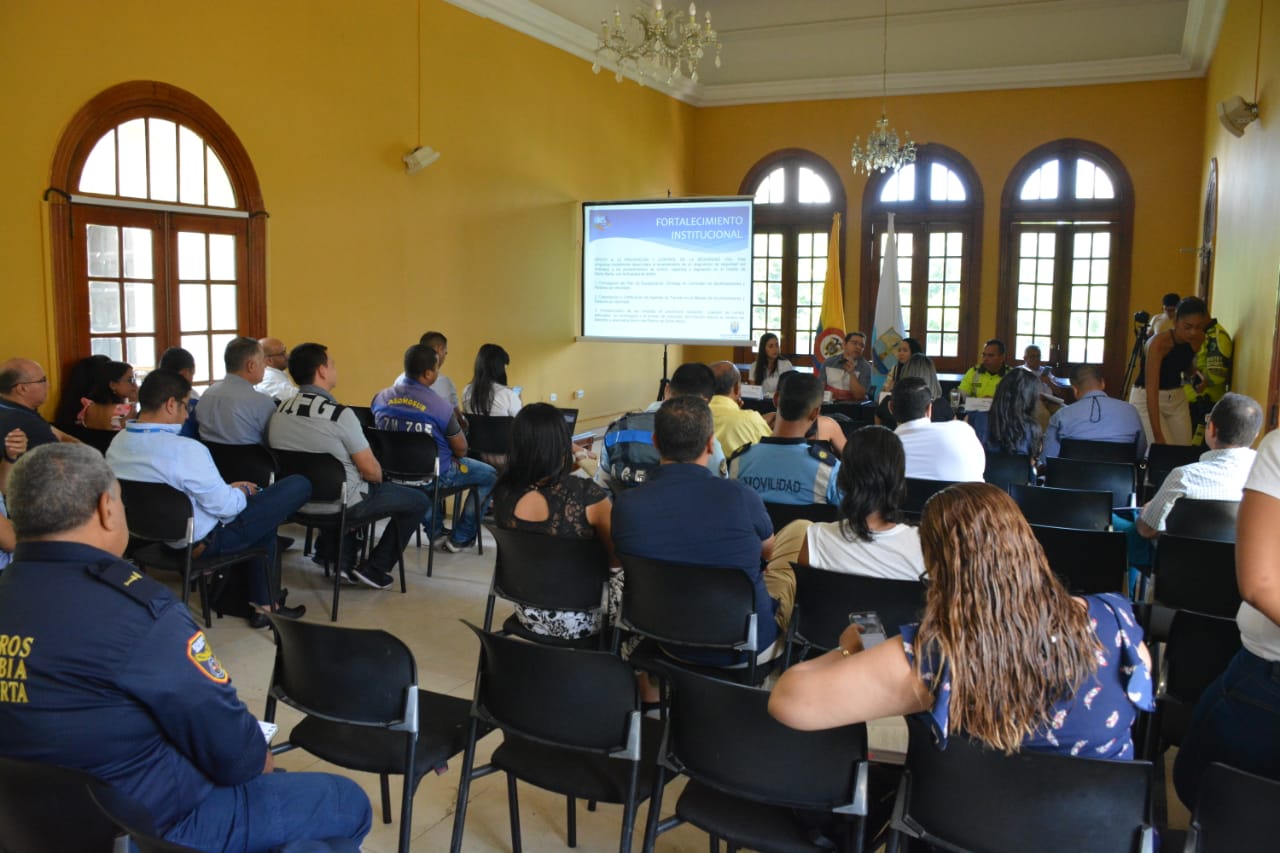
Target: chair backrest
1203, 519
131, 817
1197, 652
327, 475
352, 675
489, 433
1075, 508
550, 572
44, 807
252, 463
364, 414
1114, 477
1099, 451
1163, 458
973, 798
98, 439
574, 698
1234, 811
1196, 574
689, 605
919, 491
570, 418
1005, 469
156, 512
721, 734
824, 600
406, 457
783, 514
1086, 561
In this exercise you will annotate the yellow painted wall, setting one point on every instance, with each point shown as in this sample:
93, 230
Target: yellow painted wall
482, 245
1248, 246
1155, 129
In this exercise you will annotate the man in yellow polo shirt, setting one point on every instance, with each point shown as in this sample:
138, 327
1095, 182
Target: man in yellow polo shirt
981, 379
735, 426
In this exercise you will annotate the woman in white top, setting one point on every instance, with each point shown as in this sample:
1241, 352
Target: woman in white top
870, 538
487, 393
1237, 720
768, 366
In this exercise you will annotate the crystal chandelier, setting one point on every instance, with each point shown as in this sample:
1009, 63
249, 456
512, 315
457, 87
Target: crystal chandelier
666, 46
883, 152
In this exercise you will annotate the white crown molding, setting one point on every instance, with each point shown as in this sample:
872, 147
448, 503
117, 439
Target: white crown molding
1200, 37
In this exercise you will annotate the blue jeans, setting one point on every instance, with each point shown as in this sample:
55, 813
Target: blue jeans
401, 504
469, 473
1236, 722
279, 811
255, 527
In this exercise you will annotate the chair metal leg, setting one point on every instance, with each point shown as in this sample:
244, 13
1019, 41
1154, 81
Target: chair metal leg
464, 787
206, 609
513, 804
591, 805
572, 821
629, 809
385, 784
714, 841
337, 577
406, 810
655, 809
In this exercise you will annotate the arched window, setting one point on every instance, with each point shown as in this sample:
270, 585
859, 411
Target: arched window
158, 231
1067, 221
796, 192
937, 207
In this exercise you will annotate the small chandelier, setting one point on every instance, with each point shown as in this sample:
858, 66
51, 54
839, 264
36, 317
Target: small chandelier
671, 46
883, 152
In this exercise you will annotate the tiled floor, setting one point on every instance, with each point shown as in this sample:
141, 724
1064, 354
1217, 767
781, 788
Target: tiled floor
427, 619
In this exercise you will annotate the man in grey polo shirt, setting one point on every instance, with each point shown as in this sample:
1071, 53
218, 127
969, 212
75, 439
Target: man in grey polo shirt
314, 422
233, 411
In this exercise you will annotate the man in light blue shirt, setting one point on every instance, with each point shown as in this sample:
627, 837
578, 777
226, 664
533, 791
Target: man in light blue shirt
233, 411
1093, 416
227, 517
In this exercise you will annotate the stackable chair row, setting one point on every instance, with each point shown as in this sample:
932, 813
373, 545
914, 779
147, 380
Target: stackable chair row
783, 514
824, 600
1086, 561
1074, 508
1118, 478
1125, 452
1196, 518
1007, 469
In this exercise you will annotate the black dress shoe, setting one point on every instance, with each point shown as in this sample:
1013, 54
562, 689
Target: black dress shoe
259, 620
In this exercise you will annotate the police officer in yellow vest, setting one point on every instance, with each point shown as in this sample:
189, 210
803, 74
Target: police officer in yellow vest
1211, 378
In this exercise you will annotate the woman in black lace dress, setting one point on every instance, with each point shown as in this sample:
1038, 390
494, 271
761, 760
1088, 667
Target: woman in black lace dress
538, 493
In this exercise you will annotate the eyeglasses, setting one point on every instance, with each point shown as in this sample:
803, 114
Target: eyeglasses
280, 354
44, 379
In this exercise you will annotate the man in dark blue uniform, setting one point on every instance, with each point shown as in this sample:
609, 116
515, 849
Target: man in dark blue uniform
102, 669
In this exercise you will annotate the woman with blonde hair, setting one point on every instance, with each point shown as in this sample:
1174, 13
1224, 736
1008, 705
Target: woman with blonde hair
1003, 653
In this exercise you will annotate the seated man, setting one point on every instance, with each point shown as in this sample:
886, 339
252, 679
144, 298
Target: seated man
411, 406
943, 450
735, 426
1222, 470
275, 382
685, 514
848, 375
314, 422
23, 389
120, 682
628, 457
982, 379
228, 517
786, 467
443, 385
233, 411
1093, 416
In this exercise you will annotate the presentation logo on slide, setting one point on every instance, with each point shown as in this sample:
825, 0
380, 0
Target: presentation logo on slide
599, 221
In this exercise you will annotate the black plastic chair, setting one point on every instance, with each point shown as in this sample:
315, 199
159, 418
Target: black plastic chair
328, 486
783, 514
1074, 508
364, 710
968, 797
1196, 574
1125, 452
364, 414
1005, 469
251, 463
1235, 811
1198, 649
46, 808
98, 439
158, 513
132, 819
1086, 561
489, 434
694, 606
1090, 475
824, 600
1163, 458
748, 774
918, 494
1203, 519
412, 459
571, 724
549, 573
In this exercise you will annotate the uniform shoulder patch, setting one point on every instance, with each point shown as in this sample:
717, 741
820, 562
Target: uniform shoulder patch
200, 653
821, 450
129, 579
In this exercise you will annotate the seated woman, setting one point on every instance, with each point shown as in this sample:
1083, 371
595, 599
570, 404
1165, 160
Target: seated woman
768, 366
487, 393
1012, 426
906, 348
537, 493
100, 394
919, 365
1003, 653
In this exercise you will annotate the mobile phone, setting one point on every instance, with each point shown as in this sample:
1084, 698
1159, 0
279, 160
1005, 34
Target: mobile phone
873, 633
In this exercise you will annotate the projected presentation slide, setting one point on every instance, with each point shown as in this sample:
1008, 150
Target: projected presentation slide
667, 271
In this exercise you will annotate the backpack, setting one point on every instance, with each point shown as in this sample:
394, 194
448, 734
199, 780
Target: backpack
629, 444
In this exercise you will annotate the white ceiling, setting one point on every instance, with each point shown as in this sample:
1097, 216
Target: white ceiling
784, 50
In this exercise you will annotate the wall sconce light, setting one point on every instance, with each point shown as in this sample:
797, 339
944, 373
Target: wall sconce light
1236, 114
420, 158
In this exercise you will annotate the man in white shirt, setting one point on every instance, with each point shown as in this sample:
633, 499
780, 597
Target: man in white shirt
948, 450
275, 382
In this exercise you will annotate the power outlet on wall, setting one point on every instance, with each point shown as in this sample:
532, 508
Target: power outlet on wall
579, 394
551, 398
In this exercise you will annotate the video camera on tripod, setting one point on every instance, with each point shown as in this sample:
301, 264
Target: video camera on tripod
1137, 358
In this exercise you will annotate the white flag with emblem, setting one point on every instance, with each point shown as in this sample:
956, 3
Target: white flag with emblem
887, 330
